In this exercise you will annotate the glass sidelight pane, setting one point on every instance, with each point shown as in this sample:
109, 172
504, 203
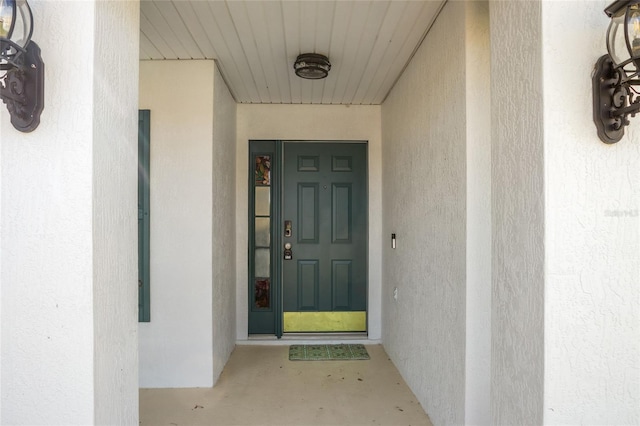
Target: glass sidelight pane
263, 234
262, 262
263, 200
263, 170
262, 293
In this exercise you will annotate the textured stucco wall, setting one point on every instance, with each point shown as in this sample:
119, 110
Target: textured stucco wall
592, 288
68, 227
176, 347
424, 198
310, 122
517, 350
115, 200
478, 297
224, 224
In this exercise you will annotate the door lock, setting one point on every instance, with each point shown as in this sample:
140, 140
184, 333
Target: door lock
288, 253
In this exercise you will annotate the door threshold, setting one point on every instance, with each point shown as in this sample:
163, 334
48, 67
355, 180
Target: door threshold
324, 336
309, 339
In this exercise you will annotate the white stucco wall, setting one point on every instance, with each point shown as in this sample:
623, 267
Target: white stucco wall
176, 347
115, 224
68, 243
517, 365
592, 234
224, 224
424, 132
478, 297
309, 122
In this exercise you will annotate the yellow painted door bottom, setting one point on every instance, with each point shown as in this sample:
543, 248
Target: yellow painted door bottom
295, 322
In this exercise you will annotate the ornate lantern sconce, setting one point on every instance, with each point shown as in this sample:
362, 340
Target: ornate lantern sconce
21, 67
616, 80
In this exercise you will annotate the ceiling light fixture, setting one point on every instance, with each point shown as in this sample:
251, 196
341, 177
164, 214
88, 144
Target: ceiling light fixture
312, 66
22, 83
616, 79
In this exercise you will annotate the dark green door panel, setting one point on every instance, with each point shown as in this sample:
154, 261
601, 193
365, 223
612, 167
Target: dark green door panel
144, 302
325, 197
308, 285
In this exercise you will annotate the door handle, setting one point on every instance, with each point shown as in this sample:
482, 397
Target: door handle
288, 253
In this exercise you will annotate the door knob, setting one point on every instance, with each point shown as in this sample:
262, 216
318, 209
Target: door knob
288, 253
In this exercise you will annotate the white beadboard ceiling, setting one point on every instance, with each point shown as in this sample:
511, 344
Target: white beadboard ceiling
255, 43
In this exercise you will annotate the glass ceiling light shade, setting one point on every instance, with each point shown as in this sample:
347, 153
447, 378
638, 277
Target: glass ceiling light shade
22, 80
616, 78
312, 66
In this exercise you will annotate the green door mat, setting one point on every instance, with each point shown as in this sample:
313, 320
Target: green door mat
327, 352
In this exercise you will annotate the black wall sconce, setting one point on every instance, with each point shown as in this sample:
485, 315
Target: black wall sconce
616, 79
21, 67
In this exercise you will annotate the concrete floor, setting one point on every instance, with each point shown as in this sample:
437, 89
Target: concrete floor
260, 386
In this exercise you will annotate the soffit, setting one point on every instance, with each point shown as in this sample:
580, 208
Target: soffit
255, 43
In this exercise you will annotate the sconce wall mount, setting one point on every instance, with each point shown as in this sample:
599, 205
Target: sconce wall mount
22, 84
616, 77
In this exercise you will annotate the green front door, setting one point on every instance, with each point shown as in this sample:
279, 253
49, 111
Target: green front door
324, 222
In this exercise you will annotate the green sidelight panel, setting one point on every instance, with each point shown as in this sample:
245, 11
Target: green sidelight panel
263, 209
